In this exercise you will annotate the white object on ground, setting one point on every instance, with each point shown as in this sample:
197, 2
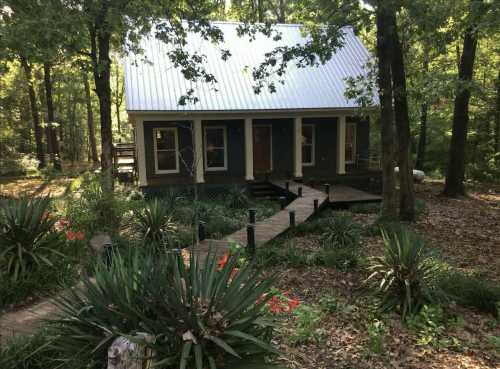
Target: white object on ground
418, 175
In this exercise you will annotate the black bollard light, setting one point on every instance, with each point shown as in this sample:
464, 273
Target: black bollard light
327, 191
287, 186
108, 254
201, 231
292, 218
315, 205
299, 191
251, 216
251, 239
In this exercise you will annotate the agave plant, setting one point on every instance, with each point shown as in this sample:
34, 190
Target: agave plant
405, 272
237, 198
341, 232
154, 223
195, 316
27, 236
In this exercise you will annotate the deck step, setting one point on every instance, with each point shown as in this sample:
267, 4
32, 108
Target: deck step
264, 190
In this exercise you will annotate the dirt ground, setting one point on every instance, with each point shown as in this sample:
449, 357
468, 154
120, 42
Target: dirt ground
466, 233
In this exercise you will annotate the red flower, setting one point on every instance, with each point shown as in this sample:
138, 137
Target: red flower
70, 235
223, 261
75, 236
292, 304
80, 236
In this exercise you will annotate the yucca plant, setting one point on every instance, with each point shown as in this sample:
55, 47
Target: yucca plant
154, 223
237, 198
197, 316
27, 236
405, 273
340, 232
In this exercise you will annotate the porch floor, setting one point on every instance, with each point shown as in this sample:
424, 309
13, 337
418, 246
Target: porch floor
340, 194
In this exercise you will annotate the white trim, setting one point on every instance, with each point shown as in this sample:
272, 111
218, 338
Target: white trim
198, 151
355, 132
313, 146
176, 141
341, 144
297, 147
270, 126
249, 149
140, 153
215, 169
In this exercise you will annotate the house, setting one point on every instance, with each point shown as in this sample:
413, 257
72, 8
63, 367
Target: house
306, 130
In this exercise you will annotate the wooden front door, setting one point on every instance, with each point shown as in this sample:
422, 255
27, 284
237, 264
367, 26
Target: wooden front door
262, 149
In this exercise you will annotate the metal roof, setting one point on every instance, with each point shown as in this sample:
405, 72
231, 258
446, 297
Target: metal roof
156, 85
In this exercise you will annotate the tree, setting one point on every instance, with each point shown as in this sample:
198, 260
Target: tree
455, 176
384, 56
90, 118
406, 191
52, 136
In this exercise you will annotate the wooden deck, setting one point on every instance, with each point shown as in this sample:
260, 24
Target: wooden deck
344, 194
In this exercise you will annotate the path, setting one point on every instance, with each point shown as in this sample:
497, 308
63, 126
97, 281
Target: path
26, 321
269, 228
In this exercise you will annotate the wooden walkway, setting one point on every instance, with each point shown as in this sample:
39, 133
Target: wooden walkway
347, 195
267, 229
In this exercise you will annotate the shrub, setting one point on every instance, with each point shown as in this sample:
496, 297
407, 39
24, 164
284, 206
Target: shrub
197, 316
376, 336
95, 210
340, 232
154, 223
471, 291
341, 258
405, 273
27, 236
307, 325
237, 198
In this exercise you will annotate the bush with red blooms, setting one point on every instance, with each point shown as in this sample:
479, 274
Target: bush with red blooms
63, 225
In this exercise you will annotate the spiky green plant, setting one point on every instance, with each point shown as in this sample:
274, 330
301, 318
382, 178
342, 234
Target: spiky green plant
340, 232
154, 223
405, 273
27, 236
196, 316
237, 198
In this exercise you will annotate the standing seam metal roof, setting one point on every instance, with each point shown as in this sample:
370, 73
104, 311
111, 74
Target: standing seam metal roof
156, 85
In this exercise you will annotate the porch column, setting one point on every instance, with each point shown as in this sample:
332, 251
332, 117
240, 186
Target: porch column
140, 152
248, 149
341, 145
198, 151
297, 147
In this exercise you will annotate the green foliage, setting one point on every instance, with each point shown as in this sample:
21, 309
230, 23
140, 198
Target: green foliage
405, 273
195, 315
14, 163
307, 323
376, 335
343, 258
286, 253
95, 210
471, 291
237, 198
154, 223
340, 232
329, 304
28, 240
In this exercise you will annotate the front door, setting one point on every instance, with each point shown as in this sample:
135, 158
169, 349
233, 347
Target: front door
262, 149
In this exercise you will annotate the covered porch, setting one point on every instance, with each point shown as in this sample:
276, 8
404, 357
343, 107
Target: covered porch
207, 148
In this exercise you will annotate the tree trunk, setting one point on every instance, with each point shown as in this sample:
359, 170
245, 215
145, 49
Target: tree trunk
260, 10
52, 136
497, 121
389, 209
282, 12
406, 190
101, 63
455, 175
118, 100
90, 120
40, 155
424, 109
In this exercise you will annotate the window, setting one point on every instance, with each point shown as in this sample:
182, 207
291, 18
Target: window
350, 143
308, 145
166, 150
215, 148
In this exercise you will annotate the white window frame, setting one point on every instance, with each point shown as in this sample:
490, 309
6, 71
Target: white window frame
176, 141
354, 143
214, 169
313, 146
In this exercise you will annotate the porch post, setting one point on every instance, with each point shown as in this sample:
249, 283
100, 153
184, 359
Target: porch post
341, 145
248, 149
297, 147
140, 152
198, 151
